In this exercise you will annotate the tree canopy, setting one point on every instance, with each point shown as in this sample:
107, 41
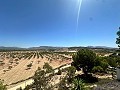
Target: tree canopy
84, 59
48, 68
41, 81
118, 38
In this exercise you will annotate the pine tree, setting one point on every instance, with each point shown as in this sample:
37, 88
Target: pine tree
118, 38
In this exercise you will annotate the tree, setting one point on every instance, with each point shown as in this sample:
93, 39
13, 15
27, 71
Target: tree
29, 65
4, 71
48, 68
16, 60
104, 65
41, 81
112, 61
118, 39
9, 67
70, 74
67, 81
84, 59
101, 63
38, 62
2, 87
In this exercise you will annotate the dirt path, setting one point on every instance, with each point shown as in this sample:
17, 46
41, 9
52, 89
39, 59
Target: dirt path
22, 85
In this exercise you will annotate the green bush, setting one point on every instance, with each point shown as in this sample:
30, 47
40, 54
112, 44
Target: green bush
79, 84
48, 68
2, 87
97, 69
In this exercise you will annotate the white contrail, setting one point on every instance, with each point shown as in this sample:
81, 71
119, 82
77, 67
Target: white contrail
79, 9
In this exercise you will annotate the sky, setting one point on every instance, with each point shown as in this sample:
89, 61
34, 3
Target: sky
30, 23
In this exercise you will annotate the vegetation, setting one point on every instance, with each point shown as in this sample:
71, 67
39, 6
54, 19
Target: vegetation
79, 84
47, 68
97, 69
84, 59
29, 65
59, 72
118, 39
88, 60
90, 63
19, 88
9, 67
66, 82
2, 87
41, 81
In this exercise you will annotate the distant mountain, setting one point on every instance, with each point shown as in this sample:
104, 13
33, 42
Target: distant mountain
90, 47
46, 47
32, 48
55, 48
102, 47
10, 48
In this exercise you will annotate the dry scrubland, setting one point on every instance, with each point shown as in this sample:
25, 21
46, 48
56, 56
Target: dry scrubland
20, 65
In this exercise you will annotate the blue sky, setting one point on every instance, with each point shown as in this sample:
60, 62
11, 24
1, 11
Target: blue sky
28, 23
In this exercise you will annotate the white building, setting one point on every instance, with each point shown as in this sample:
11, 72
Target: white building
118, 73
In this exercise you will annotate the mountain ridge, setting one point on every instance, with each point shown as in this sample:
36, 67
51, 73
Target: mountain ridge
54, 47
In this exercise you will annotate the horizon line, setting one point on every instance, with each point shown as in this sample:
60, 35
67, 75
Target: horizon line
58, 46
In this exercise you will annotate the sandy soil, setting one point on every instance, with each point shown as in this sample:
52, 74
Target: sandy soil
20, 72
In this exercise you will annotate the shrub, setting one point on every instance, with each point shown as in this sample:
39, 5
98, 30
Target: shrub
97, 69
59, 72
79, 84
48, 68
29, 65
9, 67
2, 87
41, 82
19, 88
